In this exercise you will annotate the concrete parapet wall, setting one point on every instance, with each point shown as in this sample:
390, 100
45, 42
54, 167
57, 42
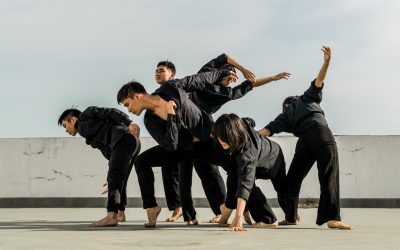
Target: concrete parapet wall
68, 168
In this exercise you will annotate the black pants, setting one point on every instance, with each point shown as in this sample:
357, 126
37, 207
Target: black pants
211, 180
316, 145
157, 156
120, 165
170, 177
257, 203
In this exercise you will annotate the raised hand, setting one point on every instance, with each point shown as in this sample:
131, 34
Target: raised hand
248, 75
282, 75
232, 77
327, 53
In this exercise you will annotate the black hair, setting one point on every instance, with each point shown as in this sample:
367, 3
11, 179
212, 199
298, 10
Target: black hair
129, 89
230, 129
168, 64
289, 100
67, 114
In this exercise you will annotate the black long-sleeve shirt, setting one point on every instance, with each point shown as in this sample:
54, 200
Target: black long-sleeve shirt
300, 115
208, 101
190, 120
256, 160
102, 127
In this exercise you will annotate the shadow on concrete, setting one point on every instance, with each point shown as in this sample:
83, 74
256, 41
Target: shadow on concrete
43, 225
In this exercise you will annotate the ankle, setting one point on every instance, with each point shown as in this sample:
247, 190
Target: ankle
112, 215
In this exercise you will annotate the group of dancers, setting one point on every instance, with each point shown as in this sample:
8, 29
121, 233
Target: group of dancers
178, 115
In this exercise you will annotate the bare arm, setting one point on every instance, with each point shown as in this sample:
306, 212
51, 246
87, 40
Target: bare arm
237, 223
322, 72
261, 81
246, 73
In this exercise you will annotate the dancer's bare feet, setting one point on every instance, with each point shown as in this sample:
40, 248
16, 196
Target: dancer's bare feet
247, 217
215, 219
225, 214
193, 222
121, 216
175, 215
339, 225
152, 214
109, 221
265, 225
288, 223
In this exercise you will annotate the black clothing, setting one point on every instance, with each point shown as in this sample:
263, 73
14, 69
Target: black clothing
208, 101
305, 119
257, 159
211, 180
260, 158
300, 115
107, 130
190, 121
102, 127
170, 177
157, 156
120, 166
310, 148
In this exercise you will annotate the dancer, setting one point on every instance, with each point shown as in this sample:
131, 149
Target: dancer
256, 157
116, 136
303, 116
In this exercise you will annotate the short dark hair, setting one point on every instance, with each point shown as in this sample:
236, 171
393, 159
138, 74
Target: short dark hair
230, 129
168, 64
67, 114
129, 89
289, 100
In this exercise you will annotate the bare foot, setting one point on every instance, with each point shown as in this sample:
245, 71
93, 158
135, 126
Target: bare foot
109, 221
265, 225
339, 225
152, 214
247, 217
175, 215
193, 222
121, 216
288, 223
215, 219
225, 214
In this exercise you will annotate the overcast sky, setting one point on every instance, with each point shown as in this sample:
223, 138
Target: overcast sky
58, 54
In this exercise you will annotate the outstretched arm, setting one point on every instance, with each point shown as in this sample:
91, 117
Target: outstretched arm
261, 81
322, 72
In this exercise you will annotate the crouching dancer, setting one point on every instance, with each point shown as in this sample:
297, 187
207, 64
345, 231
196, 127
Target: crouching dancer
116, 136
256, 157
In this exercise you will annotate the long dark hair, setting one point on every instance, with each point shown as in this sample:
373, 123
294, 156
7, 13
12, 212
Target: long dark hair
230, 129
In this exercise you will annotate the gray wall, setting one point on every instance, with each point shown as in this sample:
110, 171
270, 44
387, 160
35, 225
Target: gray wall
67, 167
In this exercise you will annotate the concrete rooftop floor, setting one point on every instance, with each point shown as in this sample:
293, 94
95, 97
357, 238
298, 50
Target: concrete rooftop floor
66, 228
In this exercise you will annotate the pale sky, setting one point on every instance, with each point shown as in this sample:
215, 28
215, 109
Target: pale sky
58, 54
